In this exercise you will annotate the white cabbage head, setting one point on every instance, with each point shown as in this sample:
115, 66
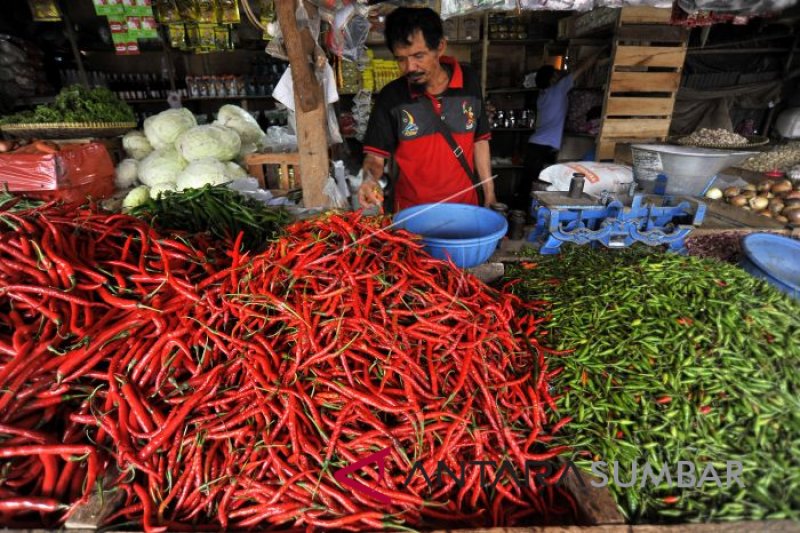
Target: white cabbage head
163, 129
126, 174
162, 166
234, 171
212, 140
138, 196
201, 172
136, 145
243, 123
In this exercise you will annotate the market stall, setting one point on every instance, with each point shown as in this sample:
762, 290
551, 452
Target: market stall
201, 330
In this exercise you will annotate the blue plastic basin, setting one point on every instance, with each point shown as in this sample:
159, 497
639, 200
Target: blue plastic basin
775, 259
467, 234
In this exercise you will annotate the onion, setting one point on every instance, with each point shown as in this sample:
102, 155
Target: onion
793, 195
765, 185
730, 192
791, 202
776, 206
748, 194
714, 193
739, 201
749, 187
781, 218
758, 203
793, 216
782, 186
766, 213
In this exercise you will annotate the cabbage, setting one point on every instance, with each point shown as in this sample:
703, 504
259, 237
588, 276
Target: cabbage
244, 124
126, 174
234, 171
162, 129
160, 189
162, 166
206, 171
136, 197
212, 140
136, 144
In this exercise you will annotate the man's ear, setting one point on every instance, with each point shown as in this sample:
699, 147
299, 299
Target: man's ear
442, 46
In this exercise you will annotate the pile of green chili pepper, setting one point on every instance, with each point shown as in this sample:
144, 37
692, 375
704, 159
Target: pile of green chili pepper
12, 203
219, 210
677, 359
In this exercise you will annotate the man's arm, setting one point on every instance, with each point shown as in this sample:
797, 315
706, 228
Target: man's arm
584, 65
483, 166
370, 192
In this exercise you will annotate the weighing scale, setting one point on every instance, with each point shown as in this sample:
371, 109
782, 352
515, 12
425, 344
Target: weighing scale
613, 221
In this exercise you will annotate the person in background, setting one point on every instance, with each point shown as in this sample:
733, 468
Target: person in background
551, 112
408, 115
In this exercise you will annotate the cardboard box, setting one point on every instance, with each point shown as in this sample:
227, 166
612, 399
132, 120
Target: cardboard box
470, 28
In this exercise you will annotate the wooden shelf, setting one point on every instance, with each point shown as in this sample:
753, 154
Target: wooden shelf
196, 99
465, 42
513, 129
513, 90
520, 41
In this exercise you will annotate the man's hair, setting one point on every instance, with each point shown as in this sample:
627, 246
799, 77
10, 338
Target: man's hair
544, 76
404, 22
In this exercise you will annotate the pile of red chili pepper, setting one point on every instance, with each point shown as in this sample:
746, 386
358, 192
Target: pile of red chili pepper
229, 389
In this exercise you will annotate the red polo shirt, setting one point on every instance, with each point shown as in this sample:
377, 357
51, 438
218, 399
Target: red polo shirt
401, 125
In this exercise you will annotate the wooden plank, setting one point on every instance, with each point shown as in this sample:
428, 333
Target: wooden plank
767, 526
651, 33
635, 128
605, 149
738, 217
644, 81
312, 137
645, 15
596, 506
649, 56
90, 515
633, 106
542, 529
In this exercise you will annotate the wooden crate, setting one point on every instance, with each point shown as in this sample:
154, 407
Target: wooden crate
646, 69
275, 171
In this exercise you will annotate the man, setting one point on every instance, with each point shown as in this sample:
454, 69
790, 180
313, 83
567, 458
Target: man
551, 113
403, 123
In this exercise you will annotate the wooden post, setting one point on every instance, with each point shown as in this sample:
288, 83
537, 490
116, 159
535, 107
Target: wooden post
73, 43
312, 139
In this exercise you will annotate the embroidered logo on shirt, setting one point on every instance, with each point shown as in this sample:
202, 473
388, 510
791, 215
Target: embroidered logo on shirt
467, 110
410, 127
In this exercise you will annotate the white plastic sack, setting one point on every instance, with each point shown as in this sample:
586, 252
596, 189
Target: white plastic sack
599, 177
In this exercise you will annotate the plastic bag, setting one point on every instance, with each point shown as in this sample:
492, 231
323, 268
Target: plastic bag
336, 200
38, 167
349, 31
280, 139
557, 5
599, 176
249, 187
276, 48
454, 8
741, 7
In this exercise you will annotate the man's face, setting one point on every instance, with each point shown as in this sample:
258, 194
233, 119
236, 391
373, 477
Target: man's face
417, 62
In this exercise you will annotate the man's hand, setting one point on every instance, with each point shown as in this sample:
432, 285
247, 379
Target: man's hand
489, 200
370, 193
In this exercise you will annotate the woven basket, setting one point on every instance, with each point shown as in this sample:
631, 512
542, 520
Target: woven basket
753, 142
68, 130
